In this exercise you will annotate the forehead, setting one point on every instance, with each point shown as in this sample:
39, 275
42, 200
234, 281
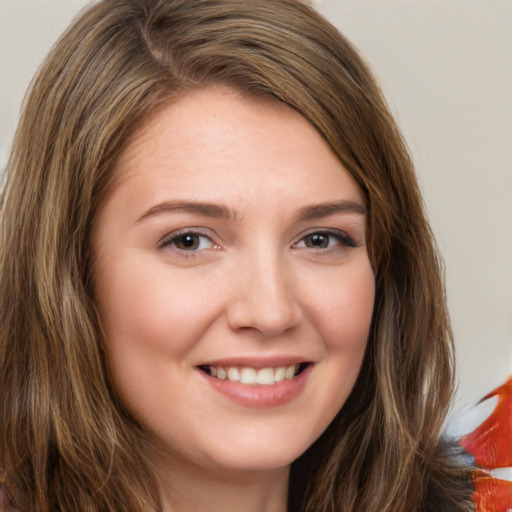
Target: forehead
217, 141
212, 118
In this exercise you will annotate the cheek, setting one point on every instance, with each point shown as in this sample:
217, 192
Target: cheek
344, 323
152, 320
346, 309
342, 310
151, 308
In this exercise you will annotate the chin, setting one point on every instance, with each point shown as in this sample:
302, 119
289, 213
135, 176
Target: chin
254, 452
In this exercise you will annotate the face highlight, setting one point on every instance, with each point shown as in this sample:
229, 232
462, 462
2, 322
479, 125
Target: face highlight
233, 282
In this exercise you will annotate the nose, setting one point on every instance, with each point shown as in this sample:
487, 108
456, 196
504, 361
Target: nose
264, 297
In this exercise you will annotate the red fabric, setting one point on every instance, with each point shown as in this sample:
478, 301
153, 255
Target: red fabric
491, 494
491, 442
491, 446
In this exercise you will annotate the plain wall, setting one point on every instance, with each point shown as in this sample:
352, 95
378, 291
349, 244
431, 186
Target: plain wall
446, 69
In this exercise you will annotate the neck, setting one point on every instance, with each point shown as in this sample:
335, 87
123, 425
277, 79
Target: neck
186, 487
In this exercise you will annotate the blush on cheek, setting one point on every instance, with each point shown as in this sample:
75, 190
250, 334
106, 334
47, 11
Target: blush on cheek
352, 311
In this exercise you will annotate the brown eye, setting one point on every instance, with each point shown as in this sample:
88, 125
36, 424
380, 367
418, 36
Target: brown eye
187, 242
317, 241
321, 240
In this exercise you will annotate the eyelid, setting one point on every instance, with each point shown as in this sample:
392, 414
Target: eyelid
343, 238
167, 240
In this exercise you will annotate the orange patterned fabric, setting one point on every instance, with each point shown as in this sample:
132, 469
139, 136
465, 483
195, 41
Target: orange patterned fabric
491, 494
491, 446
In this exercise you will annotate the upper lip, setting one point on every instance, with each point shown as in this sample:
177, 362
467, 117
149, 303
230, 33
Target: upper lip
257, 362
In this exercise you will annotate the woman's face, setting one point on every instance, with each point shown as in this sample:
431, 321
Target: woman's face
232, 246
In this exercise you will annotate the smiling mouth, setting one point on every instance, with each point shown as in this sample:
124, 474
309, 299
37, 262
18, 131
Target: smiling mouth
255, 377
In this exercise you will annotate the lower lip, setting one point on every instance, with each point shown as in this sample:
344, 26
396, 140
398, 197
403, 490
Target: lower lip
260, 396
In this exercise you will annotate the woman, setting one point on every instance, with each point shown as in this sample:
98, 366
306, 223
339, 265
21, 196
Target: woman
219, 289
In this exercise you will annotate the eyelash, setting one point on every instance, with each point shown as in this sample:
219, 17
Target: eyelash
172, 238
341, 237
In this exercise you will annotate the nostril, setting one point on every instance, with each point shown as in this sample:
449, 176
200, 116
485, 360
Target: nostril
269, 317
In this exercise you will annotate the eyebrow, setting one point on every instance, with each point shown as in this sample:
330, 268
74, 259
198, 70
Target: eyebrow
325, 209
313, 212
206, 209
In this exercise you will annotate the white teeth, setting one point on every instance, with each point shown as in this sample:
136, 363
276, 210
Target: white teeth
280, 374
266, 376
290, 371
248, 376
251, 376
233, 374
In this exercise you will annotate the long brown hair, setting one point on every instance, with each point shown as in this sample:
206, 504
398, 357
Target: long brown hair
65, 443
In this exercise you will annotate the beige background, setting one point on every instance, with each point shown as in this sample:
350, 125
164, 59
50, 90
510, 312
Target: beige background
446, 69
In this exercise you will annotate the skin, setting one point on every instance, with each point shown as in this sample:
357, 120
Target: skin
254, 284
